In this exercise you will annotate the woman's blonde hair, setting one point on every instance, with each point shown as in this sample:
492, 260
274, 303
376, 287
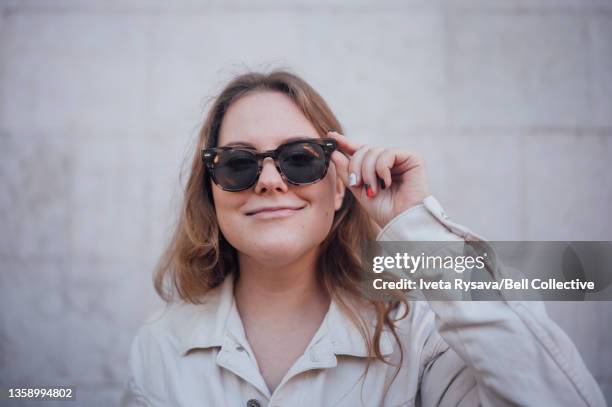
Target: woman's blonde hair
198, 257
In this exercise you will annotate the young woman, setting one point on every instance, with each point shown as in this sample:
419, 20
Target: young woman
262, 279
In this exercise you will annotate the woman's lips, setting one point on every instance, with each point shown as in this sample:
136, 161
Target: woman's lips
277, 213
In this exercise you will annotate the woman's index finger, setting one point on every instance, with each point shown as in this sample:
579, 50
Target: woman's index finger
345, 144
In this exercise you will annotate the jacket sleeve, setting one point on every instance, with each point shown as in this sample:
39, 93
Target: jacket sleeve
492, 353
133, 396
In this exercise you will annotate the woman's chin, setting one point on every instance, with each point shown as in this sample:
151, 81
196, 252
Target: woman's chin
277, 252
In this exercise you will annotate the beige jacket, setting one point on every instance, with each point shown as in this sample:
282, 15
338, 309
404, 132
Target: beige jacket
496, 353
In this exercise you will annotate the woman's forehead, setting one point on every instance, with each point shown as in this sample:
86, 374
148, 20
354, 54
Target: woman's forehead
264, 121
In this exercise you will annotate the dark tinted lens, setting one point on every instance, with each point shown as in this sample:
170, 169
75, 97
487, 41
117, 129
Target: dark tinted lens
235, 169
302, 162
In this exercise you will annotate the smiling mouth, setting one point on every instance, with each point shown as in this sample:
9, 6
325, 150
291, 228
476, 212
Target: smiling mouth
275, 213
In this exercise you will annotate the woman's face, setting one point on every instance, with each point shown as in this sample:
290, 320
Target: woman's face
266, 120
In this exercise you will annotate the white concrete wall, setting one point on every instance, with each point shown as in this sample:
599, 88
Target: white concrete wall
509, 101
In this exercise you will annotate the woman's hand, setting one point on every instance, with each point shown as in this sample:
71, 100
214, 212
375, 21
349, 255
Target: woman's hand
402, 173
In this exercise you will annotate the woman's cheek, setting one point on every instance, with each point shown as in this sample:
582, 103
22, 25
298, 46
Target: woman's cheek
229, 225
318, 224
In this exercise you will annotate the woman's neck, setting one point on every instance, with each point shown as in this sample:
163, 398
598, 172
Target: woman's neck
278, 291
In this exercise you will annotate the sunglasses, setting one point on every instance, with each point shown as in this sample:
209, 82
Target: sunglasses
300, 162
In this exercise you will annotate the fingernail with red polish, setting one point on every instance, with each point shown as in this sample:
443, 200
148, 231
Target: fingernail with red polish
369, 191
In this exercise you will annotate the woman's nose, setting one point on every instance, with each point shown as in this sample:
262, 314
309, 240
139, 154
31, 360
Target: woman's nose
270, 178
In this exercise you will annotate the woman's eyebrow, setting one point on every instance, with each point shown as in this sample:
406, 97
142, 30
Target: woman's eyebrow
238, 143
247, 144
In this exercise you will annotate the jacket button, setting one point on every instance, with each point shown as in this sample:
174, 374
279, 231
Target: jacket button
253, 403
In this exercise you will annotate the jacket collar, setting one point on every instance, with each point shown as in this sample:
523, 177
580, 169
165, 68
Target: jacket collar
216, 321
